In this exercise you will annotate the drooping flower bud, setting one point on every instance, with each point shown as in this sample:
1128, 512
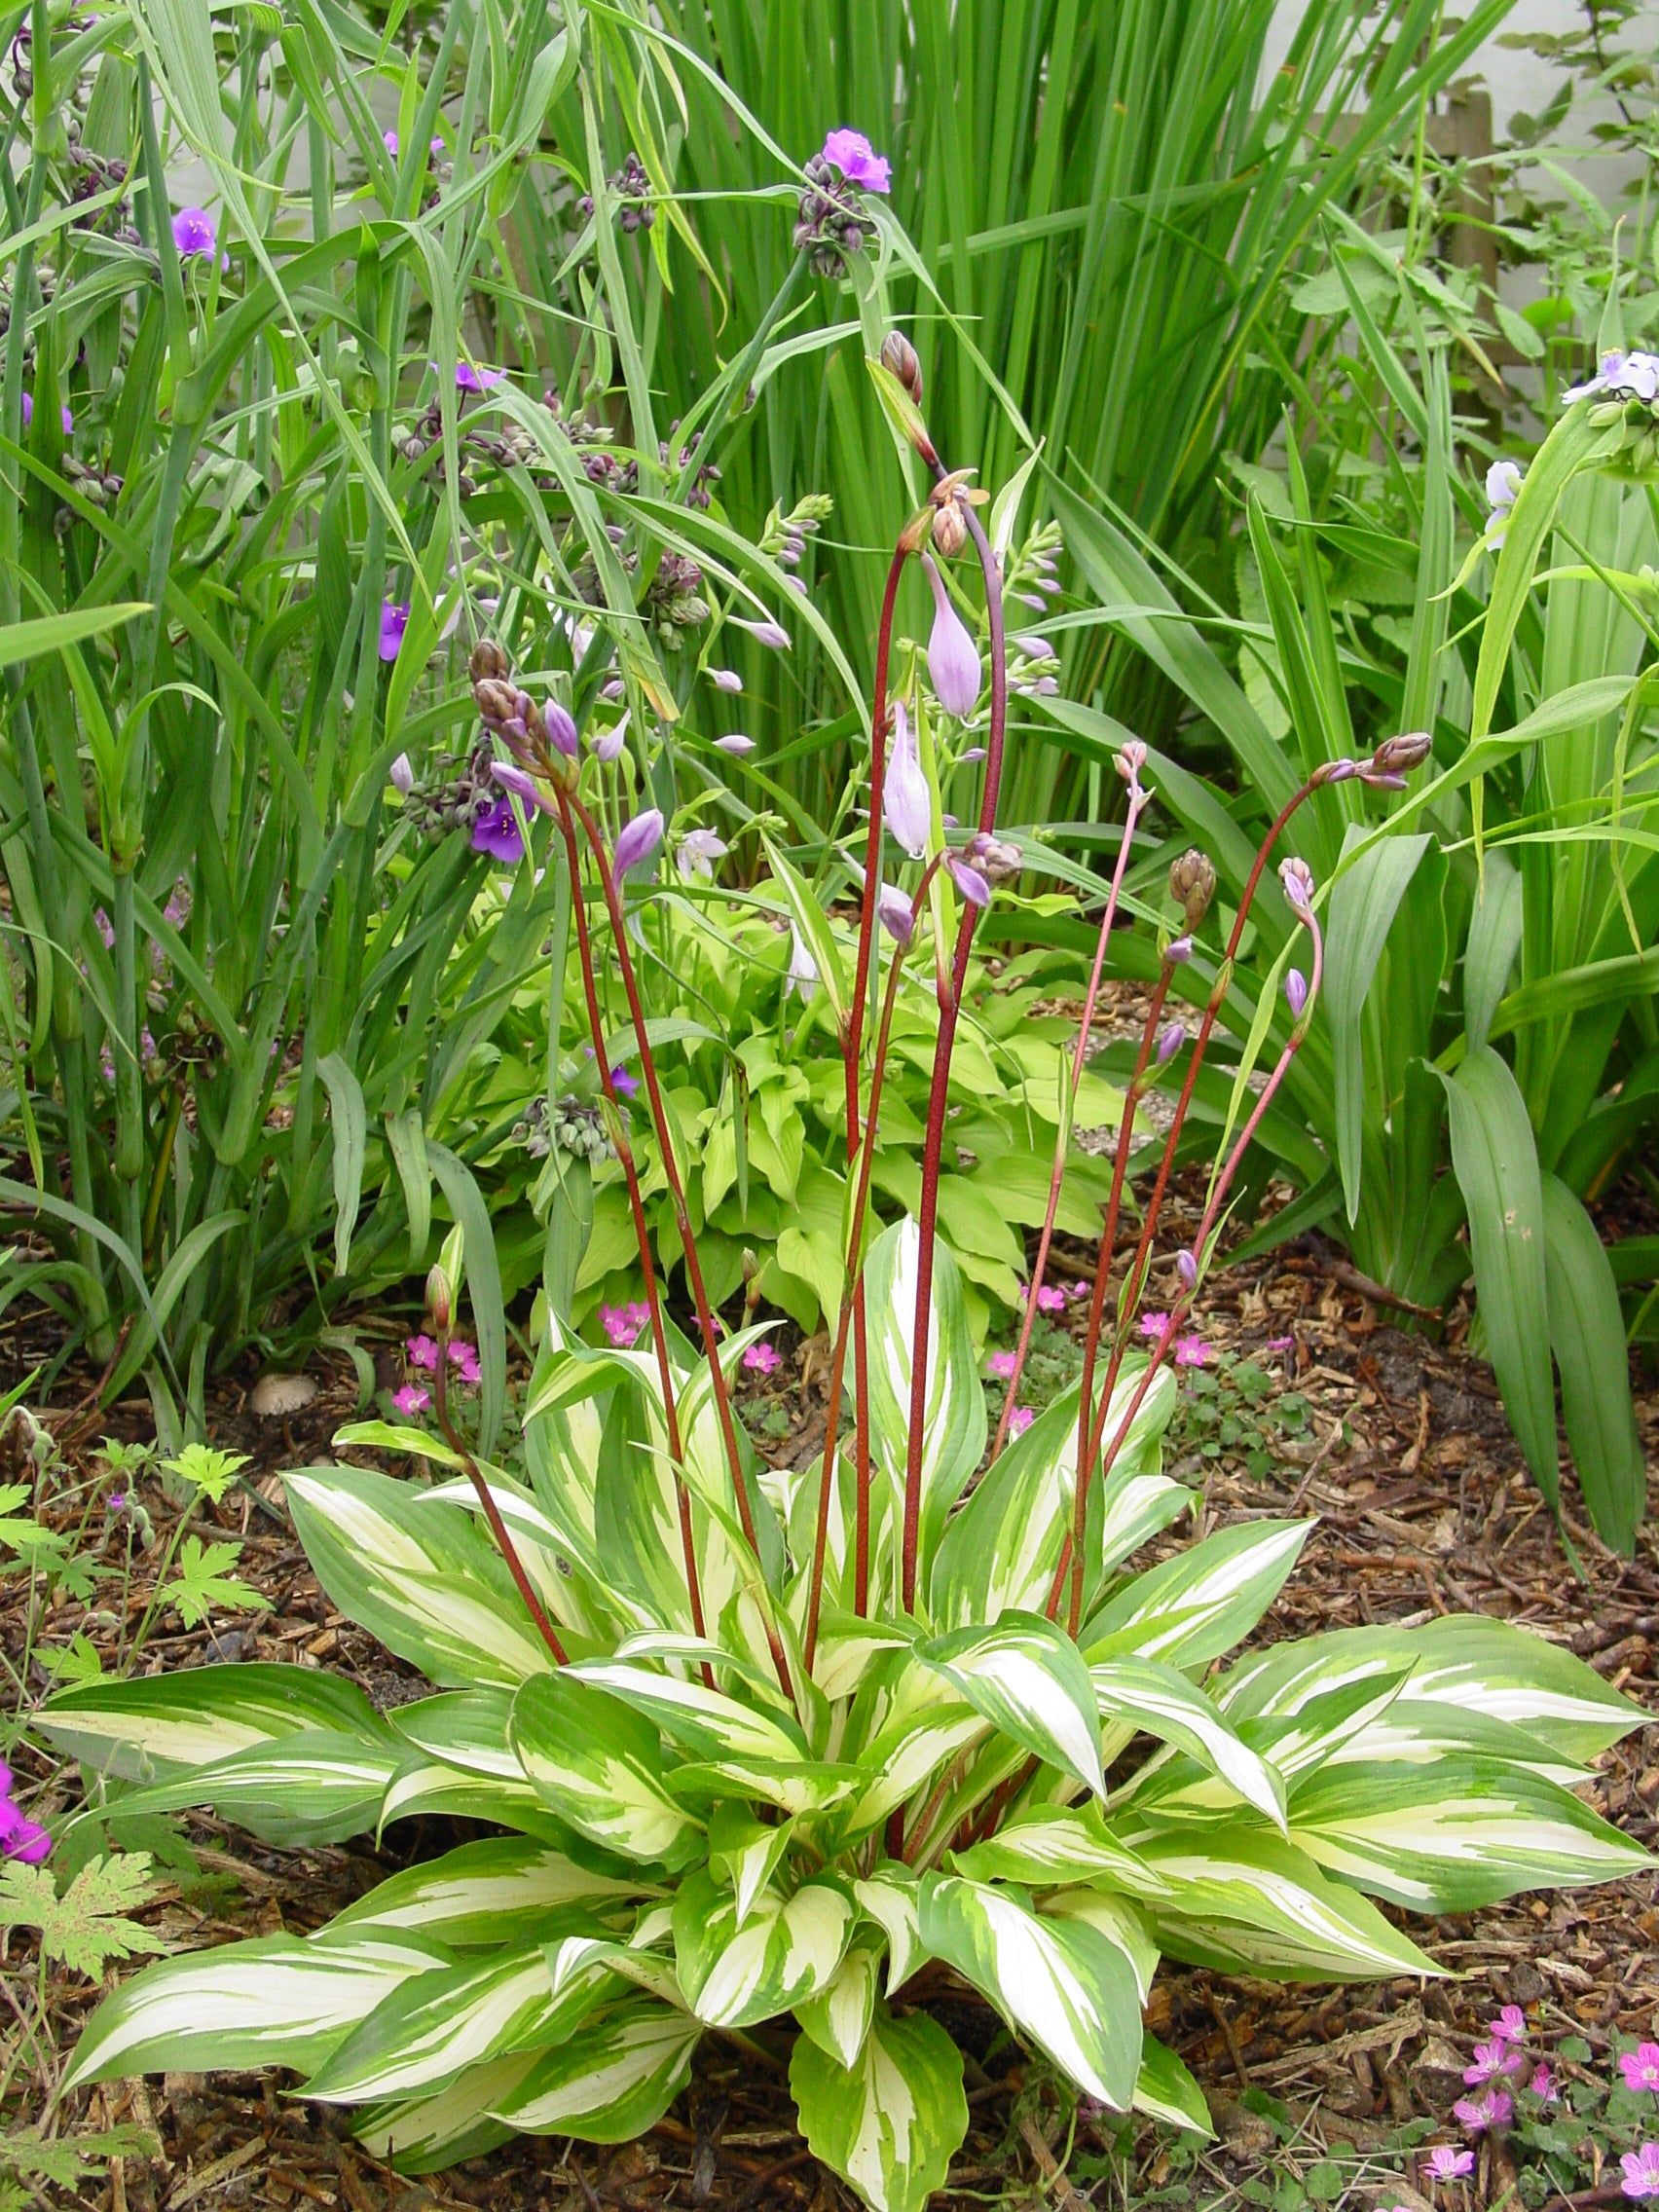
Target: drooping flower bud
1170, 1042
953, 660
726, 679
767, 633
609, 742
904, 788
1129, 759
897, 918
995, 859
1296, 992
1399, 755
561, 730
488, 661
400, 775
736, 745
950, 531
1298, 879
440, 1298
899, 356
1191, 884
637, 840
968, 880
803, 969
1186, 1268
1178, 951
514, 779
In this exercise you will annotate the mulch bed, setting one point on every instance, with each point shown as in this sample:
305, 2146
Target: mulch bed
1423, 1508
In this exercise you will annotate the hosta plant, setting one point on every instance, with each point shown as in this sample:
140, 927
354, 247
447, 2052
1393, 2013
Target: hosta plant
778, 1756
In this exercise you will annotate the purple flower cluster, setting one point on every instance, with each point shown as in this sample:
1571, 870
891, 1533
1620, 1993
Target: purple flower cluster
622, 1324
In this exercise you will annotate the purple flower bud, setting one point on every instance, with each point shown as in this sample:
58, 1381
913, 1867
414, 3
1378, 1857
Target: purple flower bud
803, 969
561, 730
1179, 951
613, 689
953, 661
514, 779
767, 633
897, 918
736, 745
636, 841
389, 139
1399, 755
968, 880
1298, 879
1047, 686
798, 584
726, 679
904, 795
1186, 1268
972, 753
1336, 772
1034, 648
1296, 992
1170, 1042
609, 742
400, 775
1031, 599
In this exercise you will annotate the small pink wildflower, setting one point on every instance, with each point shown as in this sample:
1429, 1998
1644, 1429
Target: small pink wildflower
1000, 1364
1081, 1290
1020, 1422
1281, 1344
19, 1836
1492, 2060
762, 1359
620, 1325
1641, 2067
463, 1359
421, 1352
1190, 1351
1641, 2171
411, 1399
1510, 2026
1154, 1324
1447, 2163
1492, 2109
1543, 2086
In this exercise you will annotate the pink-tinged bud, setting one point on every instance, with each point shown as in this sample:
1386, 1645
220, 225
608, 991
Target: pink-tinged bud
1296, 992
488, 662
767, 633
736, 745
968, 880
400, 775
899, 355
972, 753
1034, 648
995, 859
1298, 879
1129, 759
726, 679
1399, 755
1170, 1042
904, 796
803, 969
613, 689
1334, 772
1179, 951
512, 779
636, 841
440, 1298
609, 742
561, 730
1191, 884
950, 530
1186, 1268
953, 661
897, 918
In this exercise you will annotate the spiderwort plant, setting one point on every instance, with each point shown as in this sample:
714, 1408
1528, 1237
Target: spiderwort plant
795, 1745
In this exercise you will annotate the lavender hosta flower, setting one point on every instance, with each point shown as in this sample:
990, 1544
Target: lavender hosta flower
495, 832
736, 745
609, 742
1170, 1042
803, 969
725, 679
970, 754
1503, 482
905, 797
513, 778
1186, 1268
953, 659
400, 775
1446, 2163
393, 621
1296, 993
968, 880
764, 632
194, 235
1178, 951
1640, 2170
1298, 879
561, 730
896, 915
858, 160
699, 849
637, 840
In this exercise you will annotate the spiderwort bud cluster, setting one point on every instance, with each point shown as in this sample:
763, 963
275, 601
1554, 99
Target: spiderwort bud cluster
995, 859
1191, 884
1296, 878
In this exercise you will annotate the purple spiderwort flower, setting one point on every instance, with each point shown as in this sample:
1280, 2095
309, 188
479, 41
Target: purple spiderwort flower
764, 632
953, 662
636, 841
194, 235
1447, 2163
762, 1359
497, 834
19, 1836
858, 160
624, 1085
904, 795
609, 742
470, 379
736, 745
389, 139
1492, 2109
1021, 1421
400, 775
699, 849
1296, 992
394, 620
1640, 2171
411, 1399
1641, 2067
726, 679
65, 416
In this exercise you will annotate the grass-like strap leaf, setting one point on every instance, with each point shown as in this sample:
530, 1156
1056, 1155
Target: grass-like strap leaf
158, 1728
1587, 1337
1364, 901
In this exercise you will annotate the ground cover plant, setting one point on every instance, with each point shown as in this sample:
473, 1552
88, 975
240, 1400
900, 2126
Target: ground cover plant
789, 1748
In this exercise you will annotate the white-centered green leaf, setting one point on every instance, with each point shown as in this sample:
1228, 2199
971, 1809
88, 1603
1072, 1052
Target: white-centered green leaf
1158, 1699
155, 1729
953, 1424
1051, 1844
1023, 1675
788, 1947
502, 1889
838, 2017
1191, 1609
596, 1765
613, 2081
889, 2123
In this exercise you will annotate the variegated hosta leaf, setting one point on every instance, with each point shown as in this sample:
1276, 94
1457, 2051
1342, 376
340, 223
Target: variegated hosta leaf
1190, 1609
744, 1852
1139, 1505
610, 2082
598, 1766
429, 1583
1142, 1694
570, 1592
891, 1897
320, 1786
786, 1949
421, 2135
1417, 1732
953, 1427
434, 2025
794, 1786
427, 1787
1246, 1901
705, 1723
1053, 1844
465, 1728
1024, 1676
157, 1729
1328, 1724
502, 1889
1466, 1660
1069, 1986
276, 2001
1116, 1918
889, 2123
907, 1752
1164, 2090
849, 1649
463, 1766
1456, 1834
838, 2017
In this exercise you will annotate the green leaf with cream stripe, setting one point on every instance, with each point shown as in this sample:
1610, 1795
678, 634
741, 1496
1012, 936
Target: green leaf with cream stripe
1141, 1694
427, 1582
839, 2018
1024, 1676
1048, 1844
318, 1786
1164, 2090
891, 1897
788, 1948
1193, 1607
276, 2001
890, 2122
705, 1723
745, 1851
598, 1766
613, 2080
421, 2135
1067, 1985
157, 1729
953, 1426
502, 1889
1457, 1833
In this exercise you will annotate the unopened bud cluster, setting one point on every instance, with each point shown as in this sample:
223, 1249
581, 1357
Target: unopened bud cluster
573, 1127
829, 226
631, 186
1191, 884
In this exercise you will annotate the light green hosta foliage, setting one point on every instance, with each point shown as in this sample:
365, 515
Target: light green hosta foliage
688, 1849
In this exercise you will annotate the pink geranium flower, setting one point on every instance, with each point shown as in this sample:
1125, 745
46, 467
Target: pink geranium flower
762, 1359
1020, 1422
463, 1359
1190, 1351
1543, 2086
623, 1323
1447, 2164
1154, 1324
1641, 2067
19, 1836
1510, 2026
1000, 1364
421, 1352
1641, 2171
1492, 2108
1492, 2060
411, 1399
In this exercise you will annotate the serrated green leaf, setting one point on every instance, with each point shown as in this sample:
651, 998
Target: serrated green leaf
89, 1923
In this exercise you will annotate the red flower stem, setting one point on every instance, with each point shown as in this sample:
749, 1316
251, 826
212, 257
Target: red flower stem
1058, 1173
854, 1277
630, 1173
851, 1043
928, 1220
492, 1512
682, 1219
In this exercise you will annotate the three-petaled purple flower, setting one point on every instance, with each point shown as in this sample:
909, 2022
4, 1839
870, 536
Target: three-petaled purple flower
496, 833
194, 234
19, 1836
1641, 2067
394, 620
470, 379
858, 160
